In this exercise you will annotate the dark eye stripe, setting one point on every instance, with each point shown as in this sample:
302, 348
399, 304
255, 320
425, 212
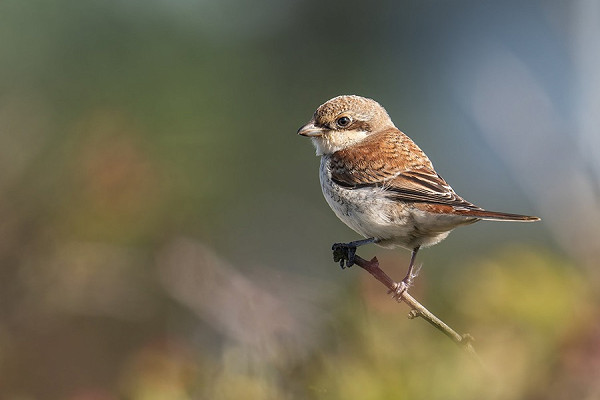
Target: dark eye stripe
359, 126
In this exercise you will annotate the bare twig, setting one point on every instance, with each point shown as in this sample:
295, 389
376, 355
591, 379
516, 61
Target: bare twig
417, 309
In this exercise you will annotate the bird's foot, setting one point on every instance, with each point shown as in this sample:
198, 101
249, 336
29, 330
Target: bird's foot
405, 283
401, 287
344, 253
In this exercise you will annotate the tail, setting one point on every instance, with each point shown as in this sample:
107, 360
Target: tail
496, 216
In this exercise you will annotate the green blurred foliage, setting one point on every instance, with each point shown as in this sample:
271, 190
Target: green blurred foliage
163, 233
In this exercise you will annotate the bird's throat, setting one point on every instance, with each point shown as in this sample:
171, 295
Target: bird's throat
333, 141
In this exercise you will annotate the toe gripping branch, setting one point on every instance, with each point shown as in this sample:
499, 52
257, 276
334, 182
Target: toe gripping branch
345, 253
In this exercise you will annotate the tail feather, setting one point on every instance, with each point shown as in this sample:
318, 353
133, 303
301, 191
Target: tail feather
496, 216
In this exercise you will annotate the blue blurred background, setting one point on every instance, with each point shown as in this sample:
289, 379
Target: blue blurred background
163, 233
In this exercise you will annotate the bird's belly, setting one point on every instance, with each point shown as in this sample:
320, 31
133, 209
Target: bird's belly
366, 213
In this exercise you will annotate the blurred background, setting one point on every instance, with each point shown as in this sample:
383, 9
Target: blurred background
164, 236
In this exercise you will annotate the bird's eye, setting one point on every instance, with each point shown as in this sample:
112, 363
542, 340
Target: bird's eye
343, 122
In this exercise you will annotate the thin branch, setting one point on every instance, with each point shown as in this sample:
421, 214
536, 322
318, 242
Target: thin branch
417, 309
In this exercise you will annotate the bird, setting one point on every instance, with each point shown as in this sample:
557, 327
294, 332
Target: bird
382, 185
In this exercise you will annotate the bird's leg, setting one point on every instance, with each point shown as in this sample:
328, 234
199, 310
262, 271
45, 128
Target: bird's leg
346, 251
405, 283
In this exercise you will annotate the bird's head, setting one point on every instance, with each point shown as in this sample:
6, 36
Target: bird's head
343, 121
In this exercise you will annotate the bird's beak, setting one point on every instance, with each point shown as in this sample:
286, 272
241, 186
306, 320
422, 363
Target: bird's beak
310, 130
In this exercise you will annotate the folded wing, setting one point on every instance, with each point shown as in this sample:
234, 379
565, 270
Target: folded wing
405, 174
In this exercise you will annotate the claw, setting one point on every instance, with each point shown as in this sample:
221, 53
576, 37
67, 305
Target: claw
344, 252
401, 287
347, 251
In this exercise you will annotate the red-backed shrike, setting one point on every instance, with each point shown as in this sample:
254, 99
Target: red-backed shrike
381, 184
